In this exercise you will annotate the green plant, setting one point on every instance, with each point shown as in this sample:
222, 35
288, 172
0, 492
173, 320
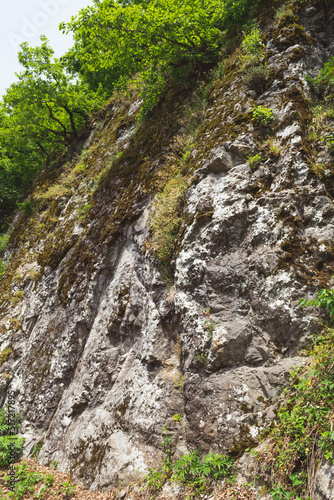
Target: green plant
165, 219
83, 211
10, 444
48, 482
68, 489
3, 267
201, 356
4, 355
54, 464
156, 42
255, 78
4, 238
323, 84
254, 161
179, 382
17, 297
328, 140
210, 325
36, 450
157, 476
177, 417
252, 48
318, 169
26, 207
217, 466
262, 116
198, 475
167, 449
324, 299
26, 480
279, 493
283, 11
303, 431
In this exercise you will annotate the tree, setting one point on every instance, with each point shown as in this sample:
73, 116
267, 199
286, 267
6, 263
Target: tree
20, 159
47, 105
122, 38
116, 40
43, 112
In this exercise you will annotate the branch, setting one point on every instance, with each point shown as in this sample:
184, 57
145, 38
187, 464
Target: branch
56, 119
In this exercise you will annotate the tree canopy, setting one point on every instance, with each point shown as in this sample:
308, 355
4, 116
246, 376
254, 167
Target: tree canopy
117, 39
44, 111
116, 42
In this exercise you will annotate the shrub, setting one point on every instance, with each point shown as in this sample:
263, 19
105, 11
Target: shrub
26, 207
3, 241
323, 84
195, 474
324, 299
262, 116
252, 49
304, 433
255, 78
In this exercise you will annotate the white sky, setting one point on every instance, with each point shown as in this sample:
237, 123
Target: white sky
24, 21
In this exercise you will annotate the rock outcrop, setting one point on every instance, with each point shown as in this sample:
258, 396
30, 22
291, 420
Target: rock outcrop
107, 345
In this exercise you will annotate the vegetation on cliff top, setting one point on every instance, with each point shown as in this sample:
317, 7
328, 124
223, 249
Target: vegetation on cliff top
117, 44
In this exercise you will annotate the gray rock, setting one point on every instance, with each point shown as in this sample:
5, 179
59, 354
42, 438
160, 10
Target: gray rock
109, 350
324, 482
219, 161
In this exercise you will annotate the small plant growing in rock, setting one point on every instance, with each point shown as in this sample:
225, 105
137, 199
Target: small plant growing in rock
283, 11
255, 78
36, 450
318, 169
4, 356
304, 433
270, 145
201, 356
254, 161
324, 299
83, 211
3, 267
328, 140
323, 84
17, 297
177, 417
167, 449
179, 382
210, 325
262, 116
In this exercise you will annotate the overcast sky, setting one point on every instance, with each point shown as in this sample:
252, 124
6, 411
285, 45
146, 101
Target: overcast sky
24, 21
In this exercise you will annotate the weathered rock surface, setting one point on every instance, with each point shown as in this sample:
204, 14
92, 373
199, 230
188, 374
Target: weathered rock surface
104, 352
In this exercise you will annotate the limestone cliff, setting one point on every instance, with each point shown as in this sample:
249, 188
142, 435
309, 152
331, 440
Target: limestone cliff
107, 342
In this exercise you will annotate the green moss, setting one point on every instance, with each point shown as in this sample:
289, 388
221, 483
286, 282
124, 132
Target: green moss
285, 36
244, 442
5, 354
310, 265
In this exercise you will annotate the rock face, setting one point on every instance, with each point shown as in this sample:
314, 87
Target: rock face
104, 352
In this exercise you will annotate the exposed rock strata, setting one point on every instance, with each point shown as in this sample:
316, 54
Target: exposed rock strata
98, 361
